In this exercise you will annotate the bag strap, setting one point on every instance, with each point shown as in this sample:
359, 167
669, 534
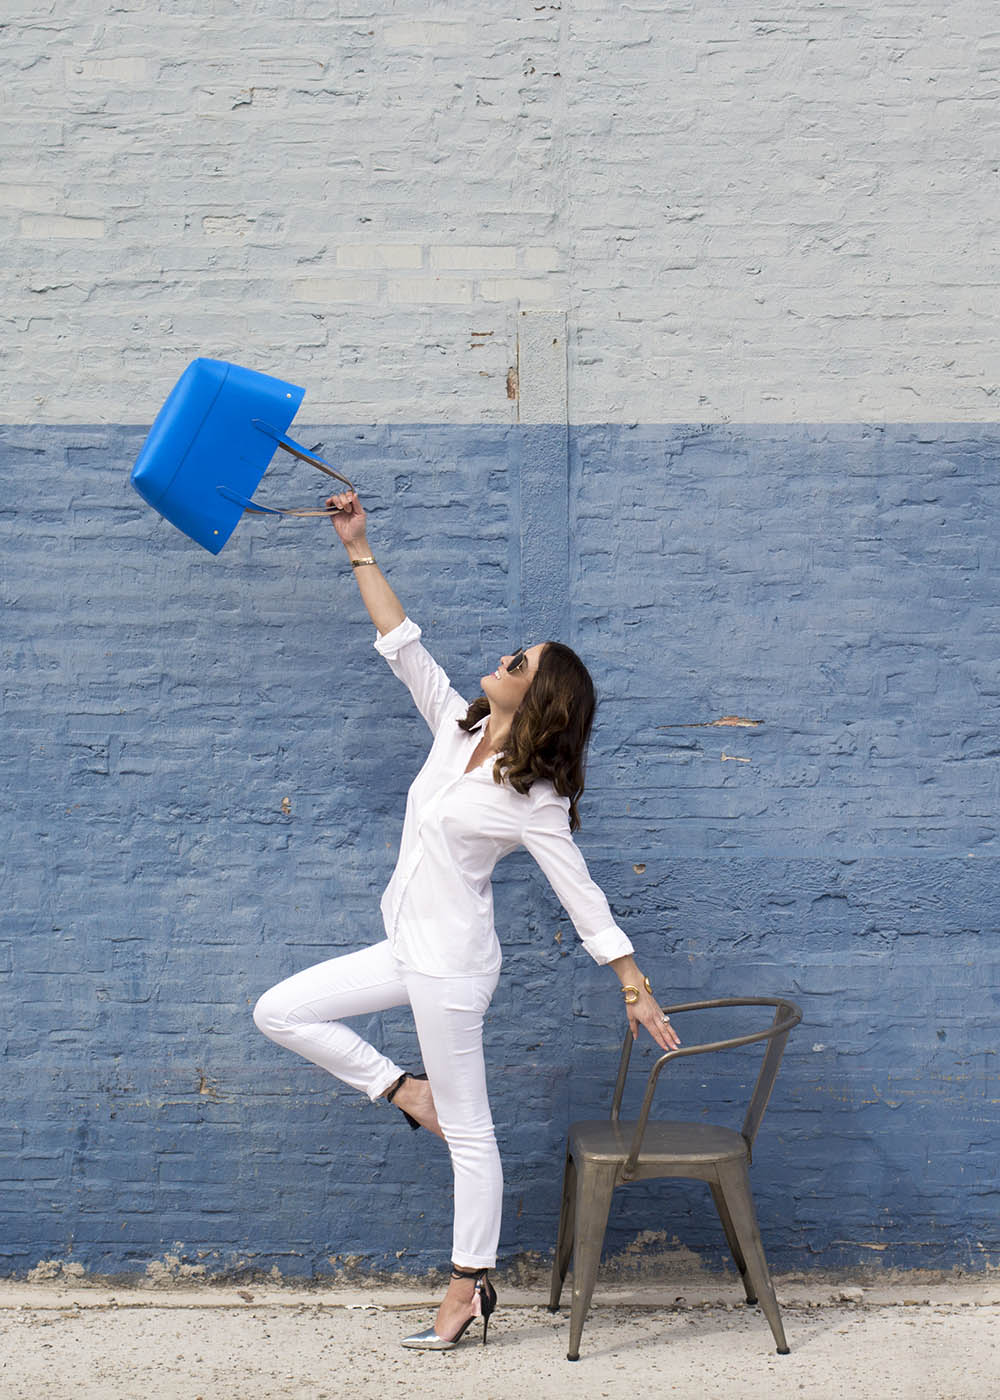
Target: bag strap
255, 508
296, 450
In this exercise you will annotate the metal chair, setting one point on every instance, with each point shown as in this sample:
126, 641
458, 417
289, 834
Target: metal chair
604, 1154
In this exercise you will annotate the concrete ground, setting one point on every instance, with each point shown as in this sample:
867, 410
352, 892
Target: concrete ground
690, 1341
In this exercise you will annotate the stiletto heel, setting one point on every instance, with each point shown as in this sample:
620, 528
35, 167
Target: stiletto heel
487, 1314
485, 1298
484, 1301
391, 1094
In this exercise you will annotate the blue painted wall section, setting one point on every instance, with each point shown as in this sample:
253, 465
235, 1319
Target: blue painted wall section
203, 770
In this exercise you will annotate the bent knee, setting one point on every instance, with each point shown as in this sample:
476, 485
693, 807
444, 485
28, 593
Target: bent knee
269, 1015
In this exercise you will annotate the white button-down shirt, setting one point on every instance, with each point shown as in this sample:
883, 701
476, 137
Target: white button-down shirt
438, 906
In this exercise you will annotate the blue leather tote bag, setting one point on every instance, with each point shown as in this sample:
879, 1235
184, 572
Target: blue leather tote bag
211, 444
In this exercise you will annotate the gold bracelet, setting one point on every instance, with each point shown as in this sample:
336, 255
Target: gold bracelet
356, 563
632, 993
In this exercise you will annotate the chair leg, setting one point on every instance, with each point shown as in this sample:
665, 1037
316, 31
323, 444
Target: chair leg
734, 1244
734, 1184
564, 1241
594, 1189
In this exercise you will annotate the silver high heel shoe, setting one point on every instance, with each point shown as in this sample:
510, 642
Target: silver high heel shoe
484, 1301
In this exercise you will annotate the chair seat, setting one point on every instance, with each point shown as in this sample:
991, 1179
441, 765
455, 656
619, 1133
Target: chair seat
682, 1145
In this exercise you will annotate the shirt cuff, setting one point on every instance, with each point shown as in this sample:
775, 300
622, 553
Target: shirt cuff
607, 945
392, 643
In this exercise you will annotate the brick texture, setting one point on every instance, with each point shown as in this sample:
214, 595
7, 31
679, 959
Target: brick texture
204, 763
668, 329
751, 218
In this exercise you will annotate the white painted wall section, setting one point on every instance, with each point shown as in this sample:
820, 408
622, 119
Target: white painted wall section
783, 214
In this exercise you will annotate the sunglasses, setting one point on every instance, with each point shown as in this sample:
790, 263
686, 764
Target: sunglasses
517, 662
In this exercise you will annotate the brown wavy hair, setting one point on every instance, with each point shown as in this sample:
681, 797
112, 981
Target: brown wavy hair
551, 728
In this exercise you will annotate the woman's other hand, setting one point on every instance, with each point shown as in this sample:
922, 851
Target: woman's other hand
350, 522
648, 1012
645, 1010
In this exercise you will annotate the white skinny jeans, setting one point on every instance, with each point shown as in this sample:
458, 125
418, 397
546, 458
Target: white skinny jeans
304, 1013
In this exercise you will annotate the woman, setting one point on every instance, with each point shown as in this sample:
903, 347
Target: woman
504, 772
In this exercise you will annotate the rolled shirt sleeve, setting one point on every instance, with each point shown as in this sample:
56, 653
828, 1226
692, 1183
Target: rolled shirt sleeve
548, 839
410, 661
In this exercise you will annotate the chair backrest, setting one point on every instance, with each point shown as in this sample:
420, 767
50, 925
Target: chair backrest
786, 1016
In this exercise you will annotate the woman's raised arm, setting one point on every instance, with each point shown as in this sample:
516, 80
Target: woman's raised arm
351, 524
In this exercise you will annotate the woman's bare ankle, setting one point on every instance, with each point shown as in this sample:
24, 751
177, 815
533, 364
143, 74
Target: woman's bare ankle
456, 1306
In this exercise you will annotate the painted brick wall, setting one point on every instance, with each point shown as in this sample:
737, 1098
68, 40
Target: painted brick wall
667, 329
780, 216
206, 763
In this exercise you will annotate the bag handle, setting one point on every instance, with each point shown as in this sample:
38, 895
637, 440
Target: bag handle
296, 450
255, 508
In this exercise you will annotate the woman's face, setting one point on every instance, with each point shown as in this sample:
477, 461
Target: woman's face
507, 687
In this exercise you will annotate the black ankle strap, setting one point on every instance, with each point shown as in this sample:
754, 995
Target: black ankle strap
456, 1272
390, 1094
